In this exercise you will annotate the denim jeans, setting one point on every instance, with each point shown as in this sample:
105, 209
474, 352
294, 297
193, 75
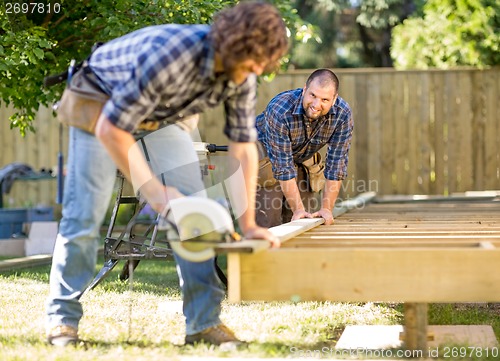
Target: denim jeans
89, 182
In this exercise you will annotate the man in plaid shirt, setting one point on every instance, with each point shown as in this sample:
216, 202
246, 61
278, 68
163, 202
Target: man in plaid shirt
295, 125
165, 74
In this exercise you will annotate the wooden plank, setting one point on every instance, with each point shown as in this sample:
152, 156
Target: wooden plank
361, 135
455, 133
439, 136
413, 138
284, 233
466, 154
374, 124
363, 275
425, 131
25, 262
292, 229
392, 244
386, 180
348, 92
478, 131
401, 137
415, 333
378, 337
8, 154
234, 277
491, 93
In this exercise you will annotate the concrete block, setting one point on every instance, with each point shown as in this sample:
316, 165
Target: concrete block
12, 247
41, 238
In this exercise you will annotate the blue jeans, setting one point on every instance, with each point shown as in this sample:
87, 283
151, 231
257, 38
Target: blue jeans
89, 182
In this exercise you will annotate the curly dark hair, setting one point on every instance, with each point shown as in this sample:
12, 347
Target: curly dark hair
250, 30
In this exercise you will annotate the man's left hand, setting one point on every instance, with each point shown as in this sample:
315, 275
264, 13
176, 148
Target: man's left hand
325, 214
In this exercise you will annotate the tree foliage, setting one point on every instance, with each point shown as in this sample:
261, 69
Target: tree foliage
353, 33
450, 33
34, 43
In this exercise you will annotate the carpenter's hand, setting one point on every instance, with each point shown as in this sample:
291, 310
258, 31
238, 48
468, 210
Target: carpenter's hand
172, 193
159, 202
301, 214
325, 214
262, 233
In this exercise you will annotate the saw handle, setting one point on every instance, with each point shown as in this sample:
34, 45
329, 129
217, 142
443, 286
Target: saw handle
212, 148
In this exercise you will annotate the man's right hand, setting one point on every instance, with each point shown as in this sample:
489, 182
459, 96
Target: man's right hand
161, 205
299, 214
262, 233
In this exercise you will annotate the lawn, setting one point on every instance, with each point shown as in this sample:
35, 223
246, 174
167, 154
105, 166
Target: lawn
142, 320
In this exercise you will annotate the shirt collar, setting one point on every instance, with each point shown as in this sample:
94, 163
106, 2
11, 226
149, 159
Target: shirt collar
207, 64
299, 108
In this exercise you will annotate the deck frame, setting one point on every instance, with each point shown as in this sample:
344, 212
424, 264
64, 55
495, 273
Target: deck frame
432, 251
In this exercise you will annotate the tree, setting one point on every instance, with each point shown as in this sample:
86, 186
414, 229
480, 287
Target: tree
376, 20
352, 32
36, 42
450, 33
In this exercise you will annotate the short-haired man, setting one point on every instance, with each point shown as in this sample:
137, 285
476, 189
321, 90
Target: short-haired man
295, 125
163, 74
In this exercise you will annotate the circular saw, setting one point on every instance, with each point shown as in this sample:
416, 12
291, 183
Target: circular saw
197, 226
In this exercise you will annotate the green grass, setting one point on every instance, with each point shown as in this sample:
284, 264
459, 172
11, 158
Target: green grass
144, 322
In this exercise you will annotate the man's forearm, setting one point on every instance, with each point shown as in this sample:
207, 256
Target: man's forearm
330, 194
244, 204
292, 194
129, 158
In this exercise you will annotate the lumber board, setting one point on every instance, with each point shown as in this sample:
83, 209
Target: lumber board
284, 232
368, 275
392, 244
25, 262
292, 229
416, 325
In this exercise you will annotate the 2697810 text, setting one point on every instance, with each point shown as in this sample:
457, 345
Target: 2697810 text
32, 8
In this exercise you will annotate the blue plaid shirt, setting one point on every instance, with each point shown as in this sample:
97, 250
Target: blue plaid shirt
283, 128
165, 73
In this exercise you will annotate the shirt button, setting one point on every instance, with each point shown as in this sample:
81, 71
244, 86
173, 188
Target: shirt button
181, 115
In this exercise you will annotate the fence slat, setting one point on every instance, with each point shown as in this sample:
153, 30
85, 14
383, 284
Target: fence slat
388, 137
492, 129
425, 147
401, 137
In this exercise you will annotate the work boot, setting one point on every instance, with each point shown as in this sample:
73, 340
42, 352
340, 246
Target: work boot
62, 335
216, 335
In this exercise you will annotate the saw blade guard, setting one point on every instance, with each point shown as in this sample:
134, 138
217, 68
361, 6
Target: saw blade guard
201, 223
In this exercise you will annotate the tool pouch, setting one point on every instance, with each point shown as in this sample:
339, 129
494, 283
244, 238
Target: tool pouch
82, 101
265, 175
314, 168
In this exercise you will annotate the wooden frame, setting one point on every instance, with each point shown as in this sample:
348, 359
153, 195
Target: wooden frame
444, 250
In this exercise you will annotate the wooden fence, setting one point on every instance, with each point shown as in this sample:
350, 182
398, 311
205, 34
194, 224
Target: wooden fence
416, 132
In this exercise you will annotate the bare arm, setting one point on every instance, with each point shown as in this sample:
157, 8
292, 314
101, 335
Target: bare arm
292, 194
128, 157
330, 194
246, 155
